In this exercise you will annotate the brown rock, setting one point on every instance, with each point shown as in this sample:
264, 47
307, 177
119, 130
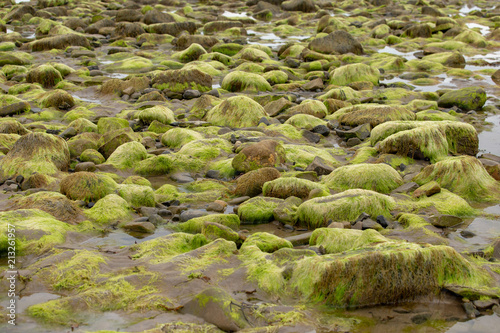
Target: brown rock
250, 184
339, 41
314, 85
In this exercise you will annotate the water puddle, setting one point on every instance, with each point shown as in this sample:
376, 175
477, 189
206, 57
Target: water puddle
391, 50
466, 10
116, 75
10, 31
25, 302
482, 324
88, 100
237, 15
270, 39
488, 139
482, 28
121, 238
490, 57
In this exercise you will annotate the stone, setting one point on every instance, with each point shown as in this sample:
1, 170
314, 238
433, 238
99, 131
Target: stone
298, 240
190, 94
337, 42
321, 129
319, 166
276, 107
445, 221
338, 225
85, 166
148, 211
370, 224
361, 131
191, 214
496, 77
470, 310
405, 188
310, 136
266, 153
486, 304
145, 227
353, 142
156, 219
69, 133
239, 200
215, 207
428, 189
313, 85
250, 184
382, 220
470, 98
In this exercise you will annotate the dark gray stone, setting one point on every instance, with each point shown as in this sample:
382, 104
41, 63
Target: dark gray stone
319, 166
145, 227
191, 214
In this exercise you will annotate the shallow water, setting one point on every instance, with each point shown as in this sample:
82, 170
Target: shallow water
466, 10
482, 28
122, 238
489, 140
391, 50
22, 303
479, 325
485, 231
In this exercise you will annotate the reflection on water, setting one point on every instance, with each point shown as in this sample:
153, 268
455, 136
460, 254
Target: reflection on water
466, 10
391, 50
121, 238
489, 139
482, 28
23, 303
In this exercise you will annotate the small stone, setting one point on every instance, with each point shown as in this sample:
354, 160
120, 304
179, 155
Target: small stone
142, 219
445, 221
338, 225
370, 224
182, 177
321, 129
264, 121
420, 318
190, 94
313, 85
145, 227
215, 207
319, 166
428, 189
85, 166
148, 211
298, 240
239, 200
213, 174
405, 188
467, 234
165, 213
484, 305
353, 142
191, 214
470, 310
312, 137
69, 133
19, 179
156, 220
382, 221
213, 92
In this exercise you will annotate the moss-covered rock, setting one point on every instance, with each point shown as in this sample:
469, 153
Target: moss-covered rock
450, 59
347, 74
470, 98
127, 155
155, 166
179, 80
213, 231
195, 225
92, 155
159, 113
258, 210
303, 155
205, 149
376, 177
137, 180
250, 183
36, 152
110, 208
306, 121
344, 206
36, 231
133, 64
46, 75
266, 242
336, 240
471, 37
463, 175
193, 52
108, 124
54, 203
309, 107
285, 187
58, 99
373, 114
177, 137
87, 186
266, 153
82, 125
241, 81
137, 195
237, 112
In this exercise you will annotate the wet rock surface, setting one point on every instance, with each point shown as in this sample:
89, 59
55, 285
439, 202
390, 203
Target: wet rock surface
291, 166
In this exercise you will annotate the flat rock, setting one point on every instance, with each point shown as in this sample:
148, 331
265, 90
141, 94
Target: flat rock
445, 221
302, 239
145, 227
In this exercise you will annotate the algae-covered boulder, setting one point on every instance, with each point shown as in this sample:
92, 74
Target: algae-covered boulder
206, 149
250, 183
195, 225
108, 124
306, 121
376, 177
154, 166
337, 42
344, 206
266, 242
237, 112
36, 231
110, 208
266, 153
54, 203
471, 98
59, 42
242, 81
58, 99
180, 80
336, 240
463, 175
159, 113
137, 195
36, 152
308, 107
177, 137
426, 139
46, 75
285, 187
213, 231
258, 210
137, 180
127, 155
87, 186
373, 114
11, 126
215, 306
342, 76
193, 52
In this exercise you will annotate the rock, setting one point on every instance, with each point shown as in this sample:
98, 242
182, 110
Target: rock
299, 240
421, 318
338, 42
237, 111
319, 166
496, 77
306, 6
486, 304
239, 200
370, 224
471, 98
431, 11
337, 225
85, 166
266, 153
190, 94
313, 85
156, 219
69, 133
266, 242
182, 177
353, 142
382, 220
496, 249
470, 310
87, 186
419, 30
285, 187
445, 221
276, 107
180, 80
213, 231
216, 207
145, 227
361, 132
14, 108
237, 81
405, 188
427, 189
312, 137
250, 184
321, 129
148, 211
59, 42
191, 214
217, 307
